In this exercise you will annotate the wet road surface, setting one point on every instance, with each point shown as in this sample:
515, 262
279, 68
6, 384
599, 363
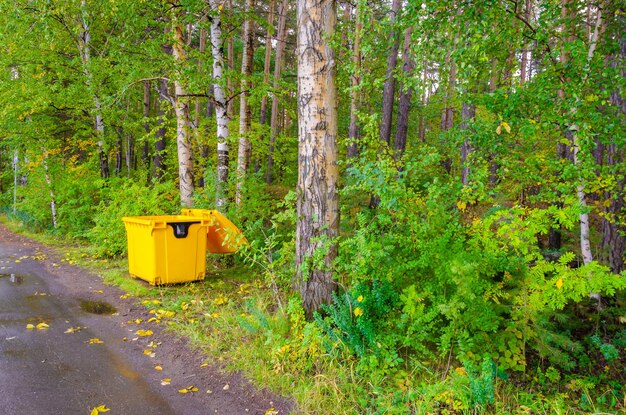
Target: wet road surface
52, 371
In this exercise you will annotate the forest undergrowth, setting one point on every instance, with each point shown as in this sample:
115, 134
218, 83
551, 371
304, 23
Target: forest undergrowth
443, 306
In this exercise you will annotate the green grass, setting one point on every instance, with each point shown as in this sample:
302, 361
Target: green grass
233, 317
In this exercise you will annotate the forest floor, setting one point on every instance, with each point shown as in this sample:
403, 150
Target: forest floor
139, 364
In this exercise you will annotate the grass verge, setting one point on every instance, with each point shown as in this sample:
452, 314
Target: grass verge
241, 321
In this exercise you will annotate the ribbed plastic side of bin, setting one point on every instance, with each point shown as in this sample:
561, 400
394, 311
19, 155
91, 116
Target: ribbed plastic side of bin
223, 236
166, 249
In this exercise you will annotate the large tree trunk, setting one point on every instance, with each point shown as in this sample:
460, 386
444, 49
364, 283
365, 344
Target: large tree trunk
404, 104
243, 154
317, 223
390, 79
183, 130
221, 110
355, 81
278, 62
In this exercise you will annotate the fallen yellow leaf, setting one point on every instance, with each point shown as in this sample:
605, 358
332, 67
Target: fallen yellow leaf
144, 333
99, 410
149, 353
95, 340
30, 326
72, 330
42, 326
167, 381
204, 365
158, 368
183, 391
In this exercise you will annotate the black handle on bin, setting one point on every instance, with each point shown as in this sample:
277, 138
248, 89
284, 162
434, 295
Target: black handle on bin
181, 229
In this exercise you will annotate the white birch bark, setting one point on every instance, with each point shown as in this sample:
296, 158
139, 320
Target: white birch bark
221, 114
53, 206
183, 128
317, 223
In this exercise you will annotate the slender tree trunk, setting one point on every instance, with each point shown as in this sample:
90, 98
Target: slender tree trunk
130, 153
404, 104
183, 128
268, 61
118, 151
524, 64
201, 145
230, 59
243, 154
421, 132
53, 205
84, 47
204, 147
221, 113
278, 61
355, 81
159, 154
447, 116
614, 230
390, 80
145, 153
468, 113
317, 223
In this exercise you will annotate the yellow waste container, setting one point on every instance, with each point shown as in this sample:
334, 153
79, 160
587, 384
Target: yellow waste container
167, 249
223, 236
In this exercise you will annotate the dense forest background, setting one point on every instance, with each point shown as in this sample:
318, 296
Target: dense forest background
481, 153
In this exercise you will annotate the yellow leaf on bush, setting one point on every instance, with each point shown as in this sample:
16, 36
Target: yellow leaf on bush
559, 283
358, 311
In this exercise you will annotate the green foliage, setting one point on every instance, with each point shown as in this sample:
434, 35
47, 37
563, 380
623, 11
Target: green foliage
125, 198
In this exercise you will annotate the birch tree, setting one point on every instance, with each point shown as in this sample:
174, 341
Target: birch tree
317, 223
243, 155
221, 103
181, 109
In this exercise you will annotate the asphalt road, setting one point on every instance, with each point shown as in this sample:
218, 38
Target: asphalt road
50, 371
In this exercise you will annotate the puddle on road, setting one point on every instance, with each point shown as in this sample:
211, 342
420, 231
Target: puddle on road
13, 278
97, 307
